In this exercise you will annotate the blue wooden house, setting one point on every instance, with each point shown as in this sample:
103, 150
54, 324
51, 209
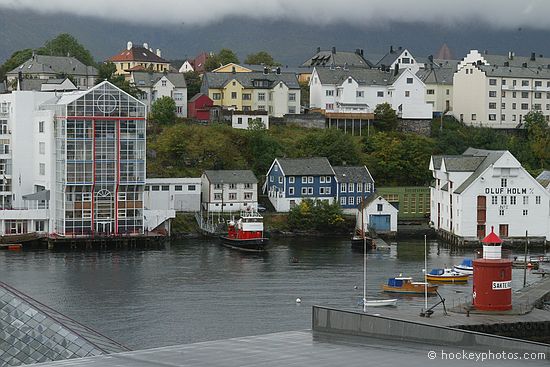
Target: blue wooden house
289, 181
354, 184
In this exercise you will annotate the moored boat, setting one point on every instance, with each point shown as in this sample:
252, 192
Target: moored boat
380, 302
446, 276
246, 234
465, 267
358, 241
405, 285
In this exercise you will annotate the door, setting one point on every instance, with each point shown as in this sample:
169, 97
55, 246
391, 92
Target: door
103, 227
380, 223
481, 231
503, 230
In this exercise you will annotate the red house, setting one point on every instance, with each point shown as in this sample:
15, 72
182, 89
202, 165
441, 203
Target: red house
198, 107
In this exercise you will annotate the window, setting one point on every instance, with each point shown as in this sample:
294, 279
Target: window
261, 96
492, 105
494, 200
270, 178
359, 187
407, 93
86, 196
351, 200
327, 190
538, 83
261, 108
349, 80
369, 187
359, 94
321, 190
503, 117
430, 91
501, 212
447, 91
492, 117
291, 179
216, 96
247, 196
165, 187
409, 80
310, 179
322, 179
291, 190
178, 96
343, 200
474, 116
525, 106
537, 107
42, 169
380, 93
492, 93
503, 182
280, 179
292, 97
327, 179
42, 147
122, 213
406, 60
343, 187
329, 106
513, 94
492, 82
503, 93
503, 105
514, 82
217, 196
310, 190
538, 95
239, 120
525, 212
179, 187
232, 196
304, 179
291, 109
41, 126
524, 94
247, 96
329, 93
233, 95
513, 106
525, 83
379, 207
537, 200
503, 200
304, 190
503, 81
526, 200
351, 187
163, 83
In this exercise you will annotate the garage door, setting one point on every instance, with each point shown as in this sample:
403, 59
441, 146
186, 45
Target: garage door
380, 223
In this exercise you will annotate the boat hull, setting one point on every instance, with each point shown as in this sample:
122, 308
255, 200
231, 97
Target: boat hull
447, 279
357, 243
246, 245
463, 270
382, 303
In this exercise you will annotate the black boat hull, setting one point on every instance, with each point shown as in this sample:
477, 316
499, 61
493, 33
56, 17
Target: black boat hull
248, 245
358, 243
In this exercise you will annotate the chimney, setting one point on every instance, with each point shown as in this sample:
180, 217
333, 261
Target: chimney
524, 65
506, 63
510, 55
129, 46
362, 52
431, 58
233, 70
20, 80
485, 52
278, 70
145, 45
396, 69
533, 56
158, 52
383, 67
391, 49
400, 48
318, 49
266, 70
333, 49
357, 51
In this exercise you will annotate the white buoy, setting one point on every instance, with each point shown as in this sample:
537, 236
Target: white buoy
354, 287
298, 300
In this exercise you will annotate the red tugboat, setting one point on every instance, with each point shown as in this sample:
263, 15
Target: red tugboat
246, 234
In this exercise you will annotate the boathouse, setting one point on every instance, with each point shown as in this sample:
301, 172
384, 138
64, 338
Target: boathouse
378, 215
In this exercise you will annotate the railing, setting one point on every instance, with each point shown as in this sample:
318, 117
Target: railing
207, 226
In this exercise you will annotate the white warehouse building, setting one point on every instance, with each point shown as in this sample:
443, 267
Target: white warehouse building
484, 189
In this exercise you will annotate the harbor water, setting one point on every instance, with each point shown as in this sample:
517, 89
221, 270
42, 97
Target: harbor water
195, 290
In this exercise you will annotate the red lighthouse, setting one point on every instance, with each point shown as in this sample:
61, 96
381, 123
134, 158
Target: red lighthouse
492, 289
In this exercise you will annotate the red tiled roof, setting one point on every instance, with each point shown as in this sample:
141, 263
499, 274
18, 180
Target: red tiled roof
137, 53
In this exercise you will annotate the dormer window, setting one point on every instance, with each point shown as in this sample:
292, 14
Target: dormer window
349, 80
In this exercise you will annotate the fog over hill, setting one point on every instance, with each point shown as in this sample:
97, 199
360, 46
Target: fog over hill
290, 41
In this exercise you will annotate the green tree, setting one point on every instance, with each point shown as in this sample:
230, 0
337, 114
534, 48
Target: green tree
304, 93
194, 82
163, 110
338, 147
538, 133
16, 59
66, 45
385, 117
224, 57
263, 148
261, 58
317, 215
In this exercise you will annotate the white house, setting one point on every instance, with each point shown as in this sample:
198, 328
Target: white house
482, 189
437, 75
186, 67
241, 119
361, 90
399, 58
497, 91
158, 85
378, 214
229, 190
179, 194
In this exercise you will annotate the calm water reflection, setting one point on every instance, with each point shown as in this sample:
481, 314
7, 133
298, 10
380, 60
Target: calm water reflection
196, 290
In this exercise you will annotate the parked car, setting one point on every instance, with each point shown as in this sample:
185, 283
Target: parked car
261, 208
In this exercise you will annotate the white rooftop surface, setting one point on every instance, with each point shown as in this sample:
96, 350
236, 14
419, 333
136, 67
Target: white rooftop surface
294, 348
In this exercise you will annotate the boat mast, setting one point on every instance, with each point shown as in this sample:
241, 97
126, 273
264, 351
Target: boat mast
425, 274
364, 261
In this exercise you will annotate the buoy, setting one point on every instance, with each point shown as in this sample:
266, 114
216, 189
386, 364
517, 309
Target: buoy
354, 287
298, 300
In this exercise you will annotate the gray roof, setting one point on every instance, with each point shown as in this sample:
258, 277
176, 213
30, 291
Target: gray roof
147, 79
337, 76
283, 68
516, 61
339, 58
352, 174
544, 178
31, 332
437, 75
490, 157
231, 176
516, 72
219, 80
36, 84
42, 64
389, 58
305, 166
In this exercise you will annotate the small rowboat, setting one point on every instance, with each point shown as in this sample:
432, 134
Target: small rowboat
465, 267
405, 285
446, 276
379, 302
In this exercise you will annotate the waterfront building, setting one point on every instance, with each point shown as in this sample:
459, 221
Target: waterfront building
413, 202
139, 58
289, 181
72, 164
497, 91
154, 85
242, 119
277, 93
179, 194
359, 91
43, 67
377, 214
353, 185
484, 189
229, 190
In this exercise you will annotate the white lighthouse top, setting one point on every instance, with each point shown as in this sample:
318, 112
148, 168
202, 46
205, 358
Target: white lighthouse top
492, 248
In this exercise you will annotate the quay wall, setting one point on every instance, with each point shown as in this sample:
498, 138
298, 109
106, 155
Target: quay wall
331, 320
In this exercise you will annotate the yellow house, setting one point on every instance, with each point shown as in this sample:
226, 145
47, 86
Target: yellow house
139, 58
232, 68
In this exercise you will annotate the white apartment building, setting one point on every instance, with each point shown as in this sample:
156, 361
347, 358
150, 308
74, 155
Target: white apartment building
498, 91
483, 189
361, 90
72, 164
229, 190
242, 119
158, 85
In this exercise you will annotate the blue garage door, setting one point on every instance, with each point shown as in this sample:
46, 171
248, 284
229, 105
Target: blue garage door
380, 223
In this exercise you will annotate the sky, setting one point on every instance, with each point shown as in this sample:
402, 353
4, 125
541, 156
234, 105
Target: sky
500, 14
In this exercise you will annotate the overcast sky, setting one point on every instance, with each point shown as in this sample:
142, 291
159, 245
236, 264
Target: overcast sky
508, 14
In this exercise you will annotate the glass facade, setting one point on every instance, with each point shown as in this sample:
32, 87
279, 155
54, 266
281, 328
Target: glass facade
100, 168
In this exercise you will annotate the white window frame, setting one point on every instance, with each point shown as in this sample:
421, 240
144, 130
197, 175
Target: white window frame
310, 190
343, 200
343, 187
351, 200
291, 179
